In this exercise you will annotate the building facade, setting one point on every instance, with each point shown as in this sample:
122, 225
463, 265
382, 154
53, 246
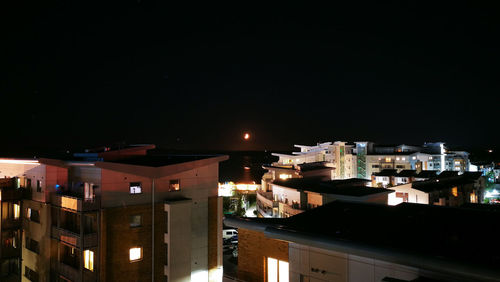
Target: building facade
122, 216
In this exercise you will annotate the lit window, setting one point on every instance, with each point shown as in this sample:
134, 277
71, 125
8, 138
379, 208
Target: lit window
135, 220
88, 256
403, 158
454, 191
387, 159
17, 211
277, 270
272, 270
175, 185
430, 158
135, 254
285, 176
135, 188
397, 159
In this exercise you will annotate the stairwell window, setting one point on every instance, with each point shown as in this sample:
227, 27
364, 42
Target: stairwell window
175, 185
17, 211
135, 254
88, 257
277, 270
135, 187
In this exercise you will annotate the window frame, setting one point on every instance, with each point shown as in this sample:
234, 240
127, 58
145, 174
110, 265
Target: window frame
170, 185
140, 220
130, 254
137, 184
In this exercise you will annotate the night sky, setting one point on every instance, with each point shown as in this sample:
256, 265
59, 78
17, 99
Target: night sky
196, 77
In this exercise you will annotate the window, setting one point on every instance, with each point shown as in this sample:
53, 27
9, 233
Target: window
28, 183
33, 215
39, 186
277, 270
135, 220
166, 222
88, 257
175, 185
135, 188
32, 245
454, 191
375, 166
285, 176
387, 159
166, 254
17, 211
30, 274
135, 254
403, 158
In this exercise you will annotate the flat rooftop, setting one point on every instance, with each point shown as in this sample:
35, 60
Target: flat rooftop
161, 160
349, 187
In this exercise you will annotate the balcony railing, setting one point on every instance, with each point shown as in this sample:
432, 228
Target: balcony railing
266, 199
66, 236
10, 252
75, 203
11, 194
68, 271
11, 223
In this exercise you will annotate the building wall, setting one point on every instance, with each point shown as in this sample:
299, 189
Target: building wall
414, 195
283, 193
253, 250
196, 184
119, 237
314, 264
39, 232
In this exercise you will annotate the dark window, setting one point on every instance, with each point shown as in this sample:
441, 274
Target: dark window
32, 245
135, 188
166, 254
33, 215
375, 166
175, 185
28, 183
39, 186
136, 220
166, 222
30, 274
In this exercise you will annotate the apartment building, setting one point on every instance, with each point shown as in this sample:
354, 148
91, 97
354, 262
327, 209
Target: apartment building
293, 196
10, 229
346, 241
121, 215
338, 155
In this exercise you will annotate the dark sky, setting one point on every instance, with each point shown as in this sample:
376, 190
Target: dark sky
88, 74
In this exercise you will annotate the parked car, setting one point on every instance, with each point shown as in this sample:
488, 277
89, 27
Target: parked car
228, 233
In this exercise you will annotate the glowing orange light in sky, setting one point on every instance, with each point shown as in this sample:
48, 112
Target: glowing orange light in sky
246, 136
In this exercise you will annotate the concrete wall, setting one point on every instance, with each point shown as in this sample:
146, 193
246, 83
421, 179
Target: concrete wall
313, 264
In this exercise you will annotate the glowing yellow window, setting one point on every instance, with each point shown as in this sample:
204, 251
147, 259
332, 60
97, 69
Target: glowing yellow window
17, 211
88, 257
277, 270
135, 254
454, 191
387, 159
285, 176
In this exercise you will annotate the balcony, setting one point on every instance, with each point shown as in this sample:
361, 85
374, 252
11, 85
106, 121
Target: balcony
11, 194
78, 204
74, 239
266, 199
69, 272
10, 252
11, 223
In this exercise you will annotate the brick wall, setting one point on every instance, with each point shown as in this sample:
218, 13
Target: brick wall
253, 249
